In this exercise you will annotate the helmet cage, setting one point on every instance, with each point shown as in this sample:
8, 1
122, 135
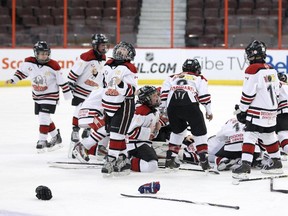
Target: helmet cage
124, 51
282, 77
144, 96
256, 51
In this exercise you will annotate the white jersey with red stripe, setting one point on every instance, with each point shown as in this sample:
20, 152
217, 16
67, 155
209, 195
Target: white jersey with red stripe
87, 74
127, 73
283, 98
259, 94
45, 80
192, 84
142, 124
230, 135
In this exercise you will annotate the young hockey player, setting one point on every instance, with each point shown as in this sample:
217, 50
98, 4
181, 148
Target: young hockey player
85, 76
119, 105
144, 127
181, 95
258, 110
46, 77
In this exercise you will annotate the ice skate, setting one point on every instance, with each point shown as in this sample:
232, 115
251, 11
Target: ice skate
85, 133
204, 163
274, 166
101, 152
108, 166
242, 171
55, 143
75, 135
122, 165
80, 153
171, 162
41, 145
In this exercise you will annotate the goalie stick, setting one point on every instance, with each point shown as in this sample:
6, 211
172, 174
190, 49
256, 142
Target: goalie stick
237, 181
180, 200
276, 190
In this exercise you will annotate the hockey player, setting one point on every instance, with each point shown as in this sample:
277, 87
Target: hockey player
91, 116
144, 127
282, 117
258, 110
119, 105
181, 95
85, 76
46, 77
225, 148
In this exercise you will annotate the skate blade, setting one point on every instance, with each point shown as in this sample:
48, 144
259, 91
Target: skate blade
41, 151
240, 176
123, 173
272, 171
171, 170
55, 147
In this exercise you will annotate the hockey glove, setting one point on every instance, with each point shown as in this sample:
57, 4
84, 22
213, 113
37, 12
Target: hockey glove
152, 187
43, 193
241, 116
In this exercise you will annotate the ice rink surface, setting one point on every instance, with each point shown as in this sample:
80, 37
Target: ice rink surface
85, 192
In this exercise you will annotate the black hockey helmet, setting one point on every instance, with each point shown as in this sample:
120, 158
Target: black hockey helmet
144, 96
256, 51
98, 39
191, 65
124, 51
282, 77
41, 46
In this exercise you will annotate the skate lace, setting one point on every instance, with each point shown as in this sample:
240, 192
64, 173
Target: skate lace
75, 135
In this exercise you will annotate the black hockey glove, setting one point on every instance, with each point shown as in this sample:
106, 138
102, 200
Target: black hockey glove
241, 116
43, 193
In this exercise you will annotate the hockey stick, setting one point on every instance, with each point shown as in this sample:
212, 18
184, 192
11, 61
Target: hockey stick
237, 181
276, 190
197, 170
179, 200
75, 163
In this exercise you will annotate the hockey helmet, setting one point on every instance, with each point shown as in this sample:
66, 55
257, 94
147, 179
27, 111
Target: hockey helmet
41, 46
256, 51
100, 39
282, 77
124, 51
145, 96
191, 65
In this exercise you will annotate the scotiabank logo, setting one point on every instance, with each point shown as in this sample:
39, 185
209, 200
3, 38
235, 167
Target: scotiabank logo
8, 63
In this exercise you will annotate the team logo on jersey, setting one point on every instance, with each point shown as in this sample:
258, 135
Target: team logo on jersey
149, 56
269, 78
39, 83
94, 71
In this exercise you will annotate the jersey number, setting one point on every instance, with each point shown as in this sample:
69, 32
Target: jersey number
270, 89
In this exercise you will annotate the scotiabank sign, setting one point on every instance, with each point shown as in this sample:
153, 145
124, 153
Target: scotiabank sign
155, 64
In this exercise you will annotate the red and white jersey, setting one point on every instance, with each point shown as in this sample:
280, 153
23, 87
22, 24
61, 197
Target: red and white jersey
183, 86
127, 73
142, 124
45, 79
259, 94
93, 104
87, 74
230, 135
283, 98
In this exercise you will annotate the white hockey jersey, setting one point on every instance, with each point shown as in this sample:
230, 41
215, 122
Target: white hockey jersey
188, 83
87, 74
230, 135
259, 94
142, 124
283, 98
126, 72
45, 80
